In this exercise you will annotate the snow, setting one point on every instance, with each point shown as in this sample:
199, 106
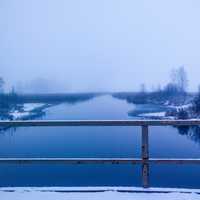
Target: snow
27, 108
31, 106
186, 106
155, 114
98, 193
162, 114
166, 103
19, 115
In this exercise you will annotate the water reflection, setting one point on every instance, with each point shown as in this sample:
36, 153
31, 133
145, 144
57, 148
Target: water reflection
39, 115
192, 132
96, 142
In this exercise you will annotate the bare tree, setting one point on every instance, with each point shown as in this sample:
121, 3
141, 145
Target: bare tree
183, 79
196, 103
180, 79
2, 83
143, 88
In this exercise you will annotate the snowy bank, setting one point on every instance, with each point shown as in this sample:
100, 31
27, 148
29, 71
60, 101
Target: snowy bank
26, 110
171, 112
154, 114
184, 107
98, 193
19, 115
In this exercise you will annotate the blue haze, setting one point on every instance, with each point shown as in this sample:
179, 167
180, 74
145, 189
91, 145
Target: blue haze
102, 45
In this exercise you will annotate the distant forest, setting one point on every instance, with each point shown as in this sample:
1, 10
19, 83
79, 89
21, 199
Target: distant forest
13, 101
173, 93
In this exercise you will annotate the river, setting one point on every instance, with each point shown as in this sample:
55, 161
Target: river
165, 142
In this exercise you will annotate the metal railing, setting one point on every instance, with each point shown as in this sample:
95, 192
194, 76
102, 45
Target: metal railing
145, 161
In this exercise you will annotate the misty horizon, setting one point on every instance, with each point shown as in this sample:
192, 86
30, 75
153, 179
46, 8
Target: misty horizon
87, 46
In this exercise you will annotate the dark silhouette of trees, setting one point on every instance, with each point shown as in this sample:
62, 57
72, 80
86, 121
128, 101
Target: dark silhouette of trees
182, 114
196, 103
2, 83
143, 88
171, 89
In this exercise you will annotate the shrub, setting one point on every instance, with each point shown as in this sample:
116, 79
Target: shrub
182, 114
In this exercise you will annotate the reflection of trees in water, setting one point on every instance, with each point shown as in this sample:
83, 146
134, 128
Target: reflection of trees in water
192, 132
11, 130
8, 130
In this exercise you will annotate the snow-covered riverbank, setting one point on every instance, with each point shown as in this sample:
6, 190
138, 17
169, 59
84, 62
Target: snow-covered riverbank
28, 110
153, 115
169, 112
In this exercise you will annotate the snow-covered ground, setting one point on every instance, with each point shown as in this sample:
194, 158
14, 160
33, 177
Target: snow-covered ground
26, 110
186, 106
18, 115
163, 113
98, 193
154, 114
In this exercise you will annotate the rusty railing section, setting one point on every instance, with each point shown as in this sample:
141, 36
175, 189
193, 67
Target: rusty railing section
145, 161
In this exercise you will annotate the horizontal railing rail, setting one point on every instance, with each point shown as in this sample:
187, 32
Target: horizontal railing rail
97, 160
100, 123
145, 161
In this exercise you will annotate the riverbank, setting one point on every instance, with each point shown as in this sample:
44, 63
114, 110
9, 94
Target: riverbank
28, 111
31, 106
160, 106
166, 112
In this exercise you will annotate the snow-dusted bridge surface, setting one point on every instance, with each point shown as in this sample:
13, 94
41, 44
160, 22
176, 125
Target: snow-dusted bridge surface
98, 193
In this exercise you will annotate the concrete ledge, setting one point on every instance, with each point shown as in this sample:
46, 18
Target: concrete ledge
97, 193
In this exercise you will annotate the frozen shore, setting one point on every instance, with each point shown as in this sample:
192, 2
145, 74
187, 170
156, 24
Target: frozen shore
28, 110
165, 114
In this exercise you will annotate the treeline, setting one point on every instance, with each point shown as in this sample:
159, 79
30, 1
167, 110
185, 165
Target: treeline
12, 97
7, 100
174, 92
11, 101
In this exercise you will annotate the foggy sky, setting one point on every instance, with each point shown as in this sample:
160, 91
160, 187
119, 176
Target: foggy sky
99, 45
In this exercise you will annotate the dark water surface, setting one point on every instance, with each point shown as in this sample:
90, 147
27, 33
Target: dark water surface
165, 142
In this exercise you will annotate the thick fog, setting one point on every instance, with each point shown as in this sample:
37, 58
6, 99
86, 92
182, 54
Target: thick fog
97, 45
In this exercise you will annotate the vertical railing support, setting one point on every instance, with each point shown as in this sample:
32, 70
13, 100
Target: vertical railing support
145, 157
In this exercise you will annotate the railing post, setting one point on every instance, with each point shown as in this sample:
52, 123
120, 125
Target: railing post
145, 157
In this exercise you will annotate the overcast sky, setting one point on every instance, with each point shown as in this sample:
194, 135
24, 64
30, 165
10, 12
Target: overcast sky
99, 45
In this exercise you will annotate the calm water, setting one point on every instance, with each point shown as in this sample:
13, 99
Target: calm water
96, 142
